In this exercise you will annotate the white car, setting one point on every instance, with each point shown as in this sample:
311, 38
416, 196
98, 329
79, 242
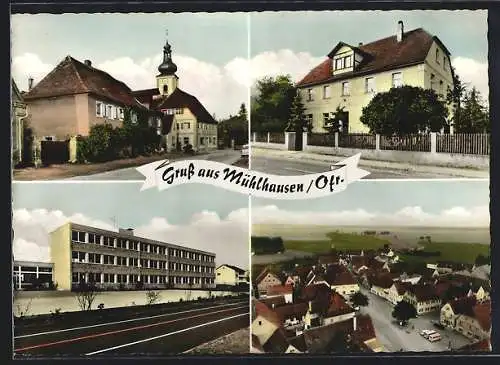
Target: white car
427, 333
244, 151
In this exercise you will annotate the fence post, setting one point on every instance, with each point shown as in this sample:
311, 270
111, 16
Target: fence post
268, 137
254, 136
304, 140
336, 139
377, 142
433, 142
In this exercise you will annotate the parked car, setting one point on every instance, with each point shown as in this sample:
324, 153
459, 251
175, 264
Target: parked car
433, 337
244, 151
427, 333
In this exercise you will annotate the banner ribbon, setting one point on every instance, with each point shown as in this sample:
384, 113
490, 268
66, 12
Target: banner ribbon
165, 174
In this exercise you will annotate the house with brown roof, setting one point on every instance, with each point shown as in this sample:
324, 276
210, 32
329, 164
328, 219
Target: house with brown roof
185, 119
397, 291
381, 284
476, 325
451, 310
285, 291
423, 298
351, 75
74, 96
342, 282
338, 310
267, 279
265, 322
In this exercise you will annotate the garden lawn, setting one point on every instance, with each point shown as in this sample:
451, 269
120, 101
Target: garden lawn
340, 241
452, 251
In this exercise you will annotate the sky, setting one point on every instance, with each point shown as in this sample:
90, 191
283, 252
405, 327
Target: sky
386, 203
220, 55
194, 215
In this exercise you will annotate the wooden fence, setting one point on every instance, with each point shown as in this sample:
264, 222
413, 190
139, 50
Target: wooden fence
261, 137
358, 140
411, 142
277, 137
321, 139
470, 144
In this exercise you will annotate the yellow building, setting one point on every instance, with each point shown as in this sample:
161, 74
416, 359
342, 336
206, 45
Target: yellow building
120, 260
352, 75
230, 275
185, 120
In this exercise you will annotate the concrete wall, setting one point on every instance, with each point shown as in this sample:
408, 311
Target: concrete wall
60, 255
418, 158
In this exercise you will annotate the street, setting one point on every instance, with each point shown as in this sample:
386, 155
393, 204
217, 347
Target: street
394, 337
227, 156
278, 165
172, 332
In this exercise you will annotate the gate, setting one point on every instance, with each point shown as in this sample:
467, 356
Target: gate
54, 152
298, 141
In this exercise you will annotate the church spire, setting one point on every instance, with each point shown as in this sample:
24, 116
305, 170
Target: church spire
167, 67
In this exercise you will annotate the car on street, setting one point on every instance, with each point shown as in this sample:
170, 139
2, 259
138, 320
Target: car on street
433, 337
427, 333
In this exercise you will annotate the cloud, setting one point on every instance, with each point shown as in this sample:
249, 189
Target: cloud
408, 216
227, 238
473, 73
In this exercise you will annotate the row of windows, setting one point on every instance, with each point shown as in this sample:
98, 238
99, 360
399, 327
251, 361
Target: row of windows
95, 258
345, 90
84, 237
109, 111
173, 111
32, 269
208, 140
105, 278
205, 126
183, 125
438, 59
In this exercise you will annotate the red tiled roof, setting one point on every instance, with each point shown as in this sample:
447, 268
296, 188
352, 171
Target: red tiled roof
277, 301
289, 311
423, 293
401, 287
316, 291
380, 55
263, 274
338, 306
463, 306
364, 328
181, 99
343, 278
280, 289
263, 310
381, 280
72, 77
482, 313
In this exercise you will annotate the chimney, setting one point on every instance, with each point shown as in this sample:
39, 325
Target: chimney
30, 83
88, 63
399, 34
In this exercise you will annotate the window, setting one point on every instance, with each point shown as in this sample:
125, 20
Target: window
186, 140
114, 112
170, 112
202, 141
339, 63
370, 85
445, 64
78, 236
133, 117
437, 56
326, 92
98, 109
109, 111
121, 114
397, 79
345, 88
186, 125
179, 110
326, 118
348, 61
433, 81
441, 87
310, 95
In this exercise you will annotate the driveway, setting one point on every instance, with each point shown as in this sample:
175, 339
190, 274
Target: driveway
394, 337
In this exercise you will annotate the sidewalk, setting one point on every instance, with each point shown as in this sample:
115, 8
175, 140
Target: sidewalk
321, 159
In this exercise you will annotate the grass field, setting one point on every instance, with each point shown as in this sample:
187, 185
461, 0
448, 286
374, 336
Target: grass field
338, 240
451, 251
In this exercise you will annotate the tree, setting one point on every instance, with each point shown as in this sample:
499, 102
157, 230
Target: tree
335, 124
474, 115
403, 311
482, 260
242, 114
298, 122
85, 295
271, 103
405, 110
152, 297
359, 299
454, 98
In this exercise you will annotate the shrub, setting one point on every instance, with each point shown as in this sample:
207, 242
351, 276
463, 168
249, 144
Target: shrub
152, 297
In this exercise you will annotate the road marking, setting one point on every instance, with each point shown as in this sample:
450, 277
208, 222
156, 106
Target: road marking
124, 321
164, 335
102, 334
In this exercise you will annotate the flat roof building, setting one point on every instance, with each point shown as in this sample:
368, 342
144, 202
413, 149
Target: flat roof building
121, 260
26, 274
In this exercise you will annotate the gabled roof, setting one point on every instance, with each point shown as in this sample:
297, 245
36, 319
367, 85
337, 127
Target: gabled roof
235, 268
380, 55
463, 306
181, 99
401, 287
318, 338
338, 306
316, 292
382, 281
264, 273
72, 77
423, 293
263, 310
276, 301
339, 46
289, 311
280, 290
342, 278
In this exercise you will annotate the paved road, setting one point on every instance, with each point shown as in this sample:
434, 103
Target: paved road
393, 337
130, 173
162, 334
289, 167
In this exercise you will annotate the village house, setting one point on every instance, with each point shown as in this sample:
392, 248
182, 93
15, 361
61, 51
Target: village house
479, 293
352, 74
381, 285
397, 291
343, 283
19, 113
454, 308
285, 291
265, 322
423, 298
185, 119
476, 325
74, 96
230, 275
267, 279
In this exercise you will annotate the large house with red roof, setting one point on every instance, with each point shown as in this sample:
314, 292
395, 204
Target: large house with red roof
76, 95
352, 74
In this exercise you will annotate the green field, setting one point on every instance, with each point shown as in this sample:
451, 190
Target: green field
340, 241
451, 251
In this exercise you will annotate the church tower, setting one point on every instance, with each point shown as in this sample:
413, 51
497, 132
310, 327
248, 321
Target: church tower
167, 80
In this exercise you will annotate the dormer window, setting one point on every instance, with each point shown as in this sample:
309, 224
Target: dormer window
343, 62
348, 62
339, 63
